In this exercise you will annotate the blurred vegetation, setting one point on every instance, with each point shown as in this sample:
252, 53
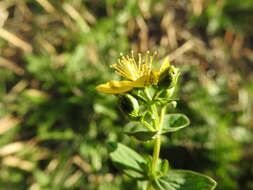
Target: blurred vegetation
54, 125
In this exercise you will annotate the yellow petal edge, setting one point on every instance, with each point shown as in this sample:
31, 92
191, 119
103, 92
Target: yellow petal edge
115, 87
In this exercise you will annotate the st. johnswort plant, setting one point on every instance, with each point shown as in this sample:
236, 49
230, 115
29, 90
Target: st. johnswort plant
146, 98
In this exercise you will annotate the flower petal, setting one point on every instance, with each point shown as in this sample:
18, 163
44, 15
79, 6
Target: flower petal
115, 87
147, 80
140, 82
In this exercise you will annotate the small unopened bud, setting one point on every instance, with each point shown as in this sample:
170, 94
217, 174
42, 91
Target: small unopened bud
168, 78
129, 105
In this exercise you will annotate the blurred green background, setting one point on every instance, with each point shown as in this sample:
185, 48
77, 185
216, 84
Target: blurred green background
54, 125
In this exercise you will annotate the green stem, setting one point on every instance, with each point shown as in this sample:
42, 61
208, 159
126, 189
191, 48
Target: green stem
157, 122
153, 109
155, 116
147, 93
163, 111
156, 153
157, 145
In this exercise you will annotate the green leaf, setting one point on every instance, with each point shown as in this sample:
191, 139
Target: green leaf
184, 180
142, 135
139, 132
174, 122
127, 160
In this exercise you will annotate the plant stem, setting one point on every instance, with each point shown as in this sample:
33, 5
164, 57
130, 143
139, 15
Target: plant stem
157, 145
156, 153
155, 116
157, 122
163, 111
147, 93
154, 110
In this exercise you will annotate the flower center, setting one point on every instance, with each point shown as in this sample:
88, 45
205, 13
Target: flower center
133, 69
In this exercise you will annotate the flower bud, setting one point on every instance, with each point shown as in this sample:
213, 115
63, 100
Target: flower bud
168, 78
129, 105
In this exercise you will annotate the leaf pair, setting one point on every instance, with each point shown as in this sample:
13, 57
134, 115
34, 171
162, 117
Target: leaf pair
172, 122
133, 164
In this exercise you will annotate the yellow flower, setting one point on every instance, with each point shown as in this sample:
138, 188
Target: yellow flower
138, 72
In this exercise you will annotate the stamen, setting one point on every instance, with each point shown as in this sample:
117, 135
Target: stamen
128, 67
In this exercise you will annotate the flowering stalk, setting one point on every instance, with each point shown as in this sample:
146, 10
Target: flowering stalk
144, 98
